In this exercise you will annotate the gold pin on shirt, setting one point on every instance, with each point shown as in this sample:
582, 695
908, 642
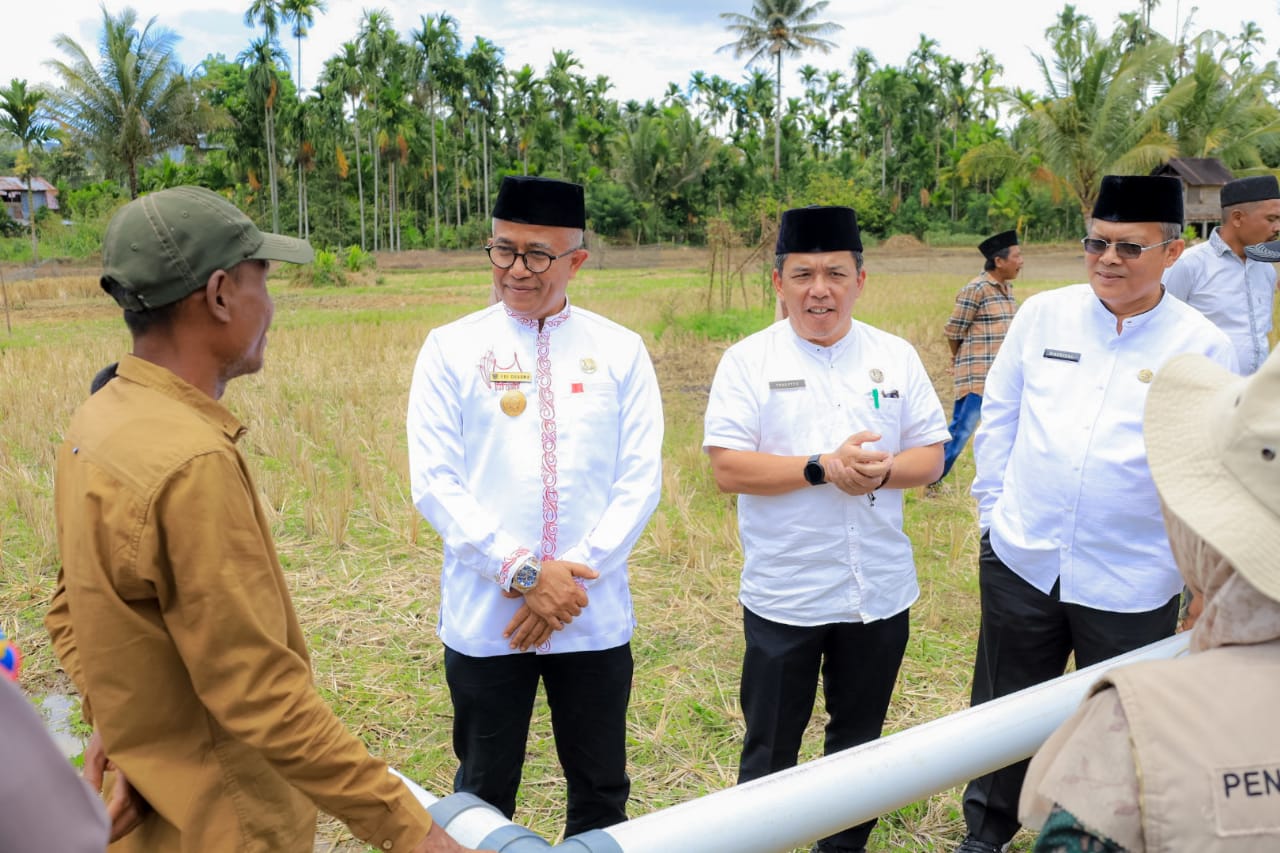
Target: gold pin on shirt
588, 365
513, 403
1145, 375
877, 375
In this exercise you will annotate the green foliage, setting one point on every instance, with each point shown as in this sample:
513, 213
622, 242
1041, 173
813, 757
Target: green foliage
730, 325
324, 271
402, 142
356, 259
611, 209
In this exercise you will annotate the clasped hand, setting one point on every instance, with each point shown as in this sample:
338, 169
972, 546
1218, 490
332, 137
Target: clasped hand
854, 469
549, 606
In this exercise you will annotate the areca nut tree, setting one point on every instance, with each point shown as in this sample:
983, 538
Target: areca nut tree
20, 116
262, 57
133, 101
773, 29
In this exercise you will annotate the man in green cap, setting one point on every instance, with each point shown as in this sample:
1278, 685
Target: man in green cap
171, 613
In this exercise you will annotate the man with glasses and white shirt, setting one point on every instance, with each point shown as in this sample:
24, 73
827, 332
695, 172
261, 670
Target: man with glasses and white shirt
1074, 555
535, 450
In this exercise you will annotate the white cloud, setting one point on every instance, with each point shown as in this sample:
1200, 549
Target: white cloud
640, 46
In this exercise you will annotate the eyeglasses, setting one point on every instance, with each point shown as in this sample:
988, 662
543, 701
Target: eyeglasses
504, 258
1127, 251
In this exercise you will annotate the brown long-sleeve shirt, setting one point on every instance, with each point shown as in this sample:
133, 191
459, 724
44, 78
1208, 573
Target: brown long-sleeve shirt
173, 619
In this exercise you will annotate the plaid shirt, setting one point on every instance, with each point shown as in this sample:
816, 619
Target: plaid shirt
984, 309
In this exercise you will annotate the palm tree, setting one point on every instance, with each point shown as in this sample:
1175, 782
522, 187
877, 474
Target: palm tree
303, 14
261, 57
376, 39
133, 102
774, 28
524, 105
343, 71
483, 67
1094, 120
439, 42
20, 115
560, 82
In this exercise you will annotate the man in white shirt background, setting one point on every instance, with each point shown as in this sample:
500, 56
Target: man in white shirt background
1074, 555
1218, 279
817, 423
535, 450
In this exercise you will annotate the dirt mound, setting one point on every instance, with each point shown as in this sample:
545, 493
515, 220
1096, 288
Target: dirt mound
902, 243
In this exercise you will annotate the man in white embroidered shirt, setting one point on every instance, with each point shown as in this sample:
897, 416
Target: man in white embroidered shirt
817, 423
1224, 283
1074, 555
535, 449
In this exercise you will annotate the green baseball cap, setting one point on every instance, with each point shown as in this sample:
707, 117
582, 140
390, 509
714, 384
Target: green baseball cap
165, 245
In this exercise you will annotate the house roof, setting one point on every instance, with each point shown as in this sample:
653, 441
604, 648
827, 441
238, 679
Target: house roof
1198, 171
9, 183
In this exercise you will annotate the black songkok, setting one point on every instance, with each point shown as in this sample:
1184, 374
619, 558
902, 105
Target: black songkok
540, 201
1003, 240
818, 229
1257, 188
1139, 198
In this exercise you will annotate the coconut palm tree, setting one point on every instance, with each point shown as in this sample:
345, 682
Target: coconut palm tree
21, 116
775, 28
133, 101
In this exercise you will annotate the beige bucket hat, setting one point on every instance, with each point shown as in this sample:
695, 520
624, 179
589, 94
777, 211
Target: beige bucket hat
1213, 445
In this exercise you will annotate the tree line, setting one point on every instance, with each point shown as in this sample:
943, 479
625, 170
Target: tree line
405, 136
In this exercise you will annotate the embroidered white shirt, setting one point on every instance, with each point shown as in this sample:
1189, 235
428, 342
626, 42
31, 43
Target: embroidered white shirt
1062, 479
816, 555
1237, 296
574, 473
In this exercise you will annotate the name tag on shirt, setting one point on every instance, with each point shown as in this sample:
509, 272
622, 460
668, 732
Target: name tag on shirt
1061, 355
1246, 799
786, 384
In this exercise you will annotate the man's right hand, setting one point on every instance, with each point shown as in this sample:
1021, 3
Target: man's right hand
125, 807
558, 597
439, 841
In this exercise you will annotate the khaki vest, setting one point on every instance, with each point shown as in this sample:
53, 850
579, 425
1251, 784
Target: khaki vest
1206, 743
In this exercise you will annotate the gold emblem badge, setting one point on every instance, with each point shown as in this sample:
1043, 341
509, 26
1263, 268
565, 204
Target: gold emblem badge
513, 403
588, 365
1145, 375
877, 375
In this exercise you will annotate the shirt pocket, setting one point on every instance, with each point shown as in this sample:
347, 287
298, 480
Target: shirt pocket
588, 409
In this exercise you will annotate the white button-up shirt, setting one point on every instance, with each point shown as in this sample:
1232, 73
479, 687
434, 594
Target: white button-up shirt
816, 555
547, 441
1062, 479
1237, 296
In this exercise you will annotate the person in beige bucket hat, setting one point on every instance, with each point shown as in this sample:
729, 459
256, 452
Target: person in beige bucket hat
1182, 755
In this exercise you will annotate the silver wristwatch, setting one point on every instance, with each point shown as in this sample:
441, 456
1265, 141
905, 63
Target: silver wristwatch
524, 575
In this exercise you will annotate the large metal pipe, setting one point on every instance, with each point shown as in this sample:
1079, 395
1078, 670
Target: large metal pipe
792, 807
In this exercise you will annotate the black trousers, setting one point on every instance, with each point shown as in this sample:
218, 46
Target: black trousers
1025, 639
859, 664
588, 694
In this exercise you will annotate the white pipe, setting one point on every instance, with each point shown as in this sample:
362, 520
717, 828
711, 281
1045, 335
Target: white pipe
469, 826
816, 799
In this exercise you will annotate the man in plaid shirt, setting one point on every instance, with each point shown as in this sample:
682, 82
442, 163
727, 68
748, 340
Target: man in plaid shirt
984, 309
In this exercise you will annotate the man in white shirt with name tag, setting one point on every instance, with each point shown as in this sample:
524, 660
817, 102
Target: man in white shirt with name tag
1074, 555
818, 423
535, 450
1223, 282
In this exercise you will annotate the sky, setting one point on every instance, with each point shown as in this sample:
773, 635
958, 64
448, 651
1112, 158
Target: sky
641, 45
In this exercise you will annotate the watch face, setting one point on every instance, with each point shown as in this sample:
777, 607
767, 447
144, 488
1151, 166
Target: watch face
814, 474
526, 576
